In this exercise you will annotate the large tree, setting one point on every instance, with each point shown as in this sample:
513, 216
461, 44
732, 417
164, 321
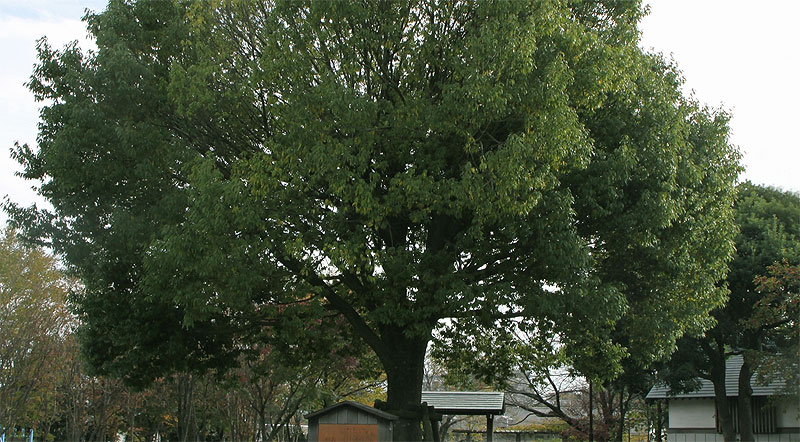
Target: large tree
218, 169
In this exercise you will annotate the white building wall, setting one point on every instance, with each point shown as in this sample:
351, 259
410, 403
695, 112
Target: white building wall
686, 415
695, 437
713, 437
692, 413
789, 413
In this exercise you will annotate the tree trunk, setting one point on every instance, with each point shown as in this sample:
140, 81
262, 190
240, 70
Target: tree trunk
404, 366
724, 416
745, 402
132, 405
591, 413
445, 426
623, 411
659, 421
185, 405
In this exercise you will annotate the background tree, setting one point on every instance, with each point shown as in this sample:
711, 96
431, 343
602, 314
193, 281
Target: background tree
769, 232
215, 167
44, 387
437, 379
775, 315
277, 392
543, 384
34, 321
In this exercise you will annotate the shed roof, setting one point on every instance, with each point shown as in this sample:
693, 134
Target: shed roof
362, 407
732, 367
465, 402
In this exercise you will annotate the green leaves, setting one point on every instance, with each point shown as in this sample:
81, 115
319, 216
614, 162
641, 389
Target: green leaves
397, 164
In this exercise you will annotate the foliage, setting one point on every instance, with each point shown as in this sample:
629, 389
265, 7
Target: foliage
769, 225
34, 321
276, 393
776, 313
251, 403
547, 426
230, 171
543, 385
43, 384
648, 419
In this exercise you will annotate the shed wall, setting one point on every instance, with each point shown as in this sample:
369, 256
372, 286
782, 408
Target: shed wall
313, 429
348, 415
713, 437
693, 420
692, 413
788, 415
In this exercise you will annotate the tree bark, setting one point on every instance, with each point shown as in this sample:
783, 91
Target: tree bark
591, 414
404, 366
445, 426
131, 419
185, 405
623, 411
659, 421
724, 416
745, 402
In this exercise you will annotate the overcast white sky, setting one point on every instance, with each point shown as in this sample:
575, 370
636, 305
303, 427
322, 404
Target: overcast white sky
741, 55
737, 54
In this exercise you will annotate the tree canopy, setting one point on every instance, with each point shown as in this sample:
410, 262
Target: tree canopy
233, 171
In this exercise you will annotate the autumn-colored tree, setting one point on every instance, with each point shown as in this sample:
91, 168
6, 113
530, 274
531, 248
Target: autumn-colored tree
34, 322
776, 315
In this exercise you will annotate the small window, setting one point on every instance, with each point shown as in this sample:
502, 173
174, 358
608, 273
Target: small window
764, 414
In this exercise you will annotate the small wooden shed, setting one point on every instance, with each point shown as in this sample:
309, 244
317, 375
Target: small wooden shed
350, 422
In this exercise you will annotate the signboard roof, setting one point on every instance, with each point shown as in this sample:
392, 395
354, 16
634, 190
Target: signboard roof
465, 402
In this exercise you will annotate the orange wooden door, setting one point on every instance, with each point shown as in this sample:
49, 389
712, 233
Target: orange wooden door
348, 433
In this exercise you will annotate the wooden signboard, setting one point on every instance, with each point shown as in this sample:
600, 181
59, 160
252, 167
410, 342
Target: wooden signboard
348, 433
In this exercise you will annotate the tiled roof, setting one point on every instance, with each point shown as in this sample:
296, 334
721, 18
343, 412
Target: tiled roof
465, 402
732, 367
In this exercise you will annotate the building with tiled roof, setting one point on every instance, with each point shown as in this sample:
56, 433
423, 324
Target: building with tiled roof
693, 417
